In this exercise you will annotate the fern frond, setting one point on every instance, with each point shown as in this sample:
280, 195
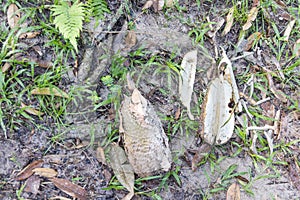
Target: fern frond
69, 20
97, 8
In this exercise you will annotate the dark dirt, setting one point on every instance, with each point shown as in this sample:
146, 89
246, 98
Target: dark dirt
160, 36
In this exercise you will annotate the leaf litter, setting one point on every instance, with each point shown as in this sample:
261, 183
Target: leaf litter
249, 40
28, 170
70, 188
13, 15
122, 169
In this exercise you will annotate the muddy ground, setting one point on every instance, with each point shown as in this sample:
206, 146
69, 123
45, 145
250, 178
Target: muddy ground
64, 148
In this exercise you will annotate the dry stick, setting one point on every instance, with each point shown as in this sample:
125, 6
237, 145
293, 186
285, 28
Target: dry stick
262, 101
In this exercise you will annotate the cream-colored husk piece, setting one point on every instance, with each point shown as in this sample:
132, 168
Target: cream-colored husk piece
146, 144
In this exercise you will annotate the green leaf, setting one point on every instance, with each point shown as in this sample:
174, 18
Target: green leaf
69, 20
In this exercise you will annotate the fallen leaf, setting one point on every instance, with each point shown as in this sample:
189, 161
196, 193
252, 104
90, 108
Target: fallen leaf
147, 5
70, 188
29, 35
233, 192
39, 62
27, 171
252, 40
130, 39
42, 63
242, 179
186, 84
50, 91
75, 143
30, 110
215, 26
13, 15
45, 172
121, 167
281, 3
288, 30
251, 17
229, 21
32, 184
296, 48
100, 155
6, 67
38, 49
177, 113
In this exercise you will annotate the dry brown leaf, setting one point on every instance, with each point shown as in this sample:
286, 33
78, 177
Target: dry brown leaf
158, 5
29, 35
5, 67
242, 179
251, 17
130, 39
32, 184
281, 3
27, 171
147, 5
229, 21
177, 113
186, 84
233, 192
42, 63
296, 48
13, 15
288, 30
121, 167
39, 62
45, 172
252, 39
50, 91
100, 155
70, 188
30, 110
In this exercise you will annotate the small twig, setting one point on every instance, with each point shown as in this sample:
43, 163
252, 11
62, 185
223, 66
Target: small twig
242, 56
277, 124
263, 128
262, 101
246, 109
